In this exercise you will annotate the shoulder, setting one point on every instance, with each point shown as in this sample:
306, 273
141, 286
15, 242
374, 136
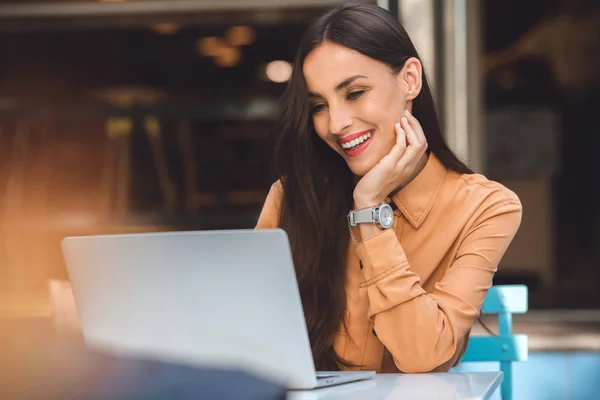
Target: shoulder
269, 215
277, 189
484, 187
479, 195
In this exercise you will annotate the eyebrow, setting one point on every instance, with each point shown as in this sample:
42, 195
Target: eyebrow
345, 83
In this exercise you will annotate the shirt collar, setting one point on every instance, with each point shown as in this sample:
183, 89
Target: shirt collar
416, 199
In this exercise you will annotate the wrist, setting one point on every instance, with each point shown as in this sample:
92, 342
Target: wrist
364, 202
381, 215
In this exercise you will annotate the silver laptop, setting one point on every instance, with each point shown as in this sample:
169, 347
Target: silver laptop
211, 298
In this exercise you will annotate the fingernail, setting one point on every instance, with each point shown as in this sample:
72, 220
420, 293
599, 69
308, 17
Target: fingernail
407, 112
405, 120
398, 126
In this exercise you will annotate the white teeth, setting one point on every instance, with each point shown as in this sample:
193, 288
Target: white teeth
356, 142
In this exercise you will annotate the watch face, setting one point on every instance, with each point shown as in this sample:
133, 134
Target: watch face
386, 216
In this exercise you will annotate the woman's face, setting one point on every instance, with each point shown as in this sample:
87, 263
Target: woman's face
356, 100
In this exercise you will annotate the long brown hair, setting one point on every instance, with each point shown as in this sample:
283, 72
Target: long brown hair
317, 183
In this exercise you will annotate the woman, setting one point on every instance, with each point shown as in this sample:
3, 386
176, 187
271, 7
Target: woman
401, 290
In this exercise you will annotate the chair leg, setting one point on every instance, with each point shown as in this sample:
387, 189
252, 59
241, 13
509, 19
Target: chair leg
506, 387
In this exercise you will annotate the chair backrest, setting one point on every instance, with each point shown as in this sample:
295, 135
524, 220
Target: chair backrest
506, 347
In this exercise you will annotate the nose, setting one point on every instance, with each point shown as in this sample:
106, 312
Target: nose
339, 119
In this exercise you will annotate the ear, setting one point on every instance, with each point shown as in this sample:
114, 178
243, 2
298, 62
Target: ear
410, 78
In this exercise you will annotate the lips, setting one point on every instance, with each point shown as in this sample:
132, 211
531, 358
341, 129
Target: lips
355, 144
350, 138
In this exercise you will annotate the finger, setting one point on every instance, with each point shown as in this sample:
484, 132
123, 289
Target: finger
400, 136
411, 136
414, 123
390, 160
400, 146
415, 147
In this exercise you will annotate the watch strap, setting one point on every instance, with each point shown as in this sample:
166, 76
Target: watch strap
363, 216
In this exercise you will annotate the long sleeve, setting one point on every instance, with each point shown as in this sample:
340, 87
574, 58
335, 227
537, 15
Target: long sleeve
269, 215
425, 330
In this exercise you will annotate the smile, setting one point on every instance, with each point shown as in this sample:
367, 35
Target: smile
356, 143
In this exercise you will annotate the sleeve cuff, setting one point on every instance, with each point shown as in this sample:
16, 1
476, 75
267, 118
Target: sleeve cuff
380, 254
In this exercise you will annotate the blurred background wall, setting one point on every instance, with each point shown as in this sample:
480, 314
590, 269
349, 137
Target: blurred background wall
133, 116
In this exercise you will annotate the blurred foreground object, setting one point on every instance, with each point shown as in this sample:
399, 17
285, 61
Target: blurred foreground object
36, 368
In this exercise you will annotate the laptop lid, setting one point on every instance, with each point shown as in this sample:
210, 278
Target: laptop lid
218, 298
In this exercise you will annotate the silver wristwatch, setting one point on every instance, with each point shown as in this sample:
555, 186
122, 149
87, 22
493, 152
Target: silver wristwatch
382, 215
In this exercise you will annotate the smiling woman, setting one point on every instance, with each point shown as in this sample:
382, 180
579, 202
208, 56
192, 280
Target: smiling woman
395, 240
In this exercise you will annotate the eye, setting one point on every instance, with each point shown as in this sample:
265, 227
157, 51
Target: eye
317, 108
355, 95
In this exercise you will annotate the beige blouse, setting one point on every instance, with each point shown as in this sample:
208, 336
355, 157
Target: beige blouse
412, 305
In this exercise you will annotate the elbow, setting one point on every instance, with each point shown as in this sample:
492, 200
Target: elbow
427, 359
423, 366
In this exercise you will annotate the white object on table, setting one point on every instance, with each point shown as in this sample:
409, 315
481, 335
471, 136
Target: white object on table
435, 386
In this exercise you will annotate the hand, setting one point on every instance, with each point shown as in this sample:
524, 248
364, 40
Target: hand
396, 169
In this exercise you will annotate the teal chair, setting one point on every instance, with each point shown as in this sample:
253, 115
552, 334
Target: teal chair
505, 347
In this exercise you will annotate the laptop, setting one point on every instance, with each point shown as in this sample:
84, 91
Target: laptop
211, 298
